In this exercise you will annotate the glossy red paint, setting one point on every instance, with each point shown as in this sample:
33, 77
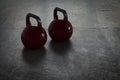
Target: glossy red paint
60, 30
33, 37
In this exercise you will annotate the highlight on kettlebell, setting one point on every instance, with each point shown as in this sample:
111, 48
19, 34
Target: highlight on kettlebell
33, 37
60, 30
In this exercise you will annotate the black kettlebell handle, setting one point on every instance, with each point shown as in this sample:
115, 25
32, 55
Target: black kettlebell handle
61, 10
28, 23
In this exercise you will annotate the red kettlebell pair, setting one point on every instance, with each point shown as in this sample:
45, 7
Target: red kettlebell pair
34, 37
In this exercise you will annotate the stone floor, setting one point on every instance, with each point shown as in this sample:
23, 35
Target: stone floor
93, 52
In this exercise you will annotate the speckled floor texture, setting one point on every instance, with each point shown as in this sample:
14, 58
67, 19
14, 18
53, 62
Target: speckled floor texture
92, 53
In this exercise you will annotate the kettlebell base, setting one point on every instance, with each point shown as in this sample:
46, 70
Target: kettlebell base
55, 40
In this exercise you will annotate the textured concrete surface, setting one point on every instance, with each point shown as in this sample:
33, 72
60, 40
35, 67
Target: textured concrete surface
93, 53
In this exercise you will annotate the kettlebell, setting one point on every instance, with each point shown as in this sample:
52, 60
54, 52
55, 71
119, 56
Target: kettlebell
60, 30
33, 37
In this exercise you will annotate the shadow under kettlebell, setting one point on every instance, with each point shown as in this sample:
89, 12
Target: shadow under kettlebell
33, 57
60, 48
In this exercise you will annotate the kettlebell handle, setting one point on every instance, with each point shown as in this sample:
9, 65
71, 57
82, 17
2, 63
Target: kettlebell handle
28, 23
61, 10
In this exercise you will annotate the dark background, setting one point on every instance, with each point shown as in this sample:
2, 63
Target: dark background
93, 52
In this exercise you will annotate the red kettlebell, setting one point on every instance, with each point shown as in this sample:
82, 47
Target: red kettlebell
60, 30
33, 37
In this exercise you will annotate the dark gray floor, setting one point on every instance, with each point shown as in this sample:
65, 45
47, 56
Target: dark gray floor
93, 53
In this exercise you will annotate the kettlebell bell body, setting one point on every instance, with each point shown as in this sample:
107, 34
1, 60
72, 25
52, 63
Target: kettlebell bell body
60, 30
33, 37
